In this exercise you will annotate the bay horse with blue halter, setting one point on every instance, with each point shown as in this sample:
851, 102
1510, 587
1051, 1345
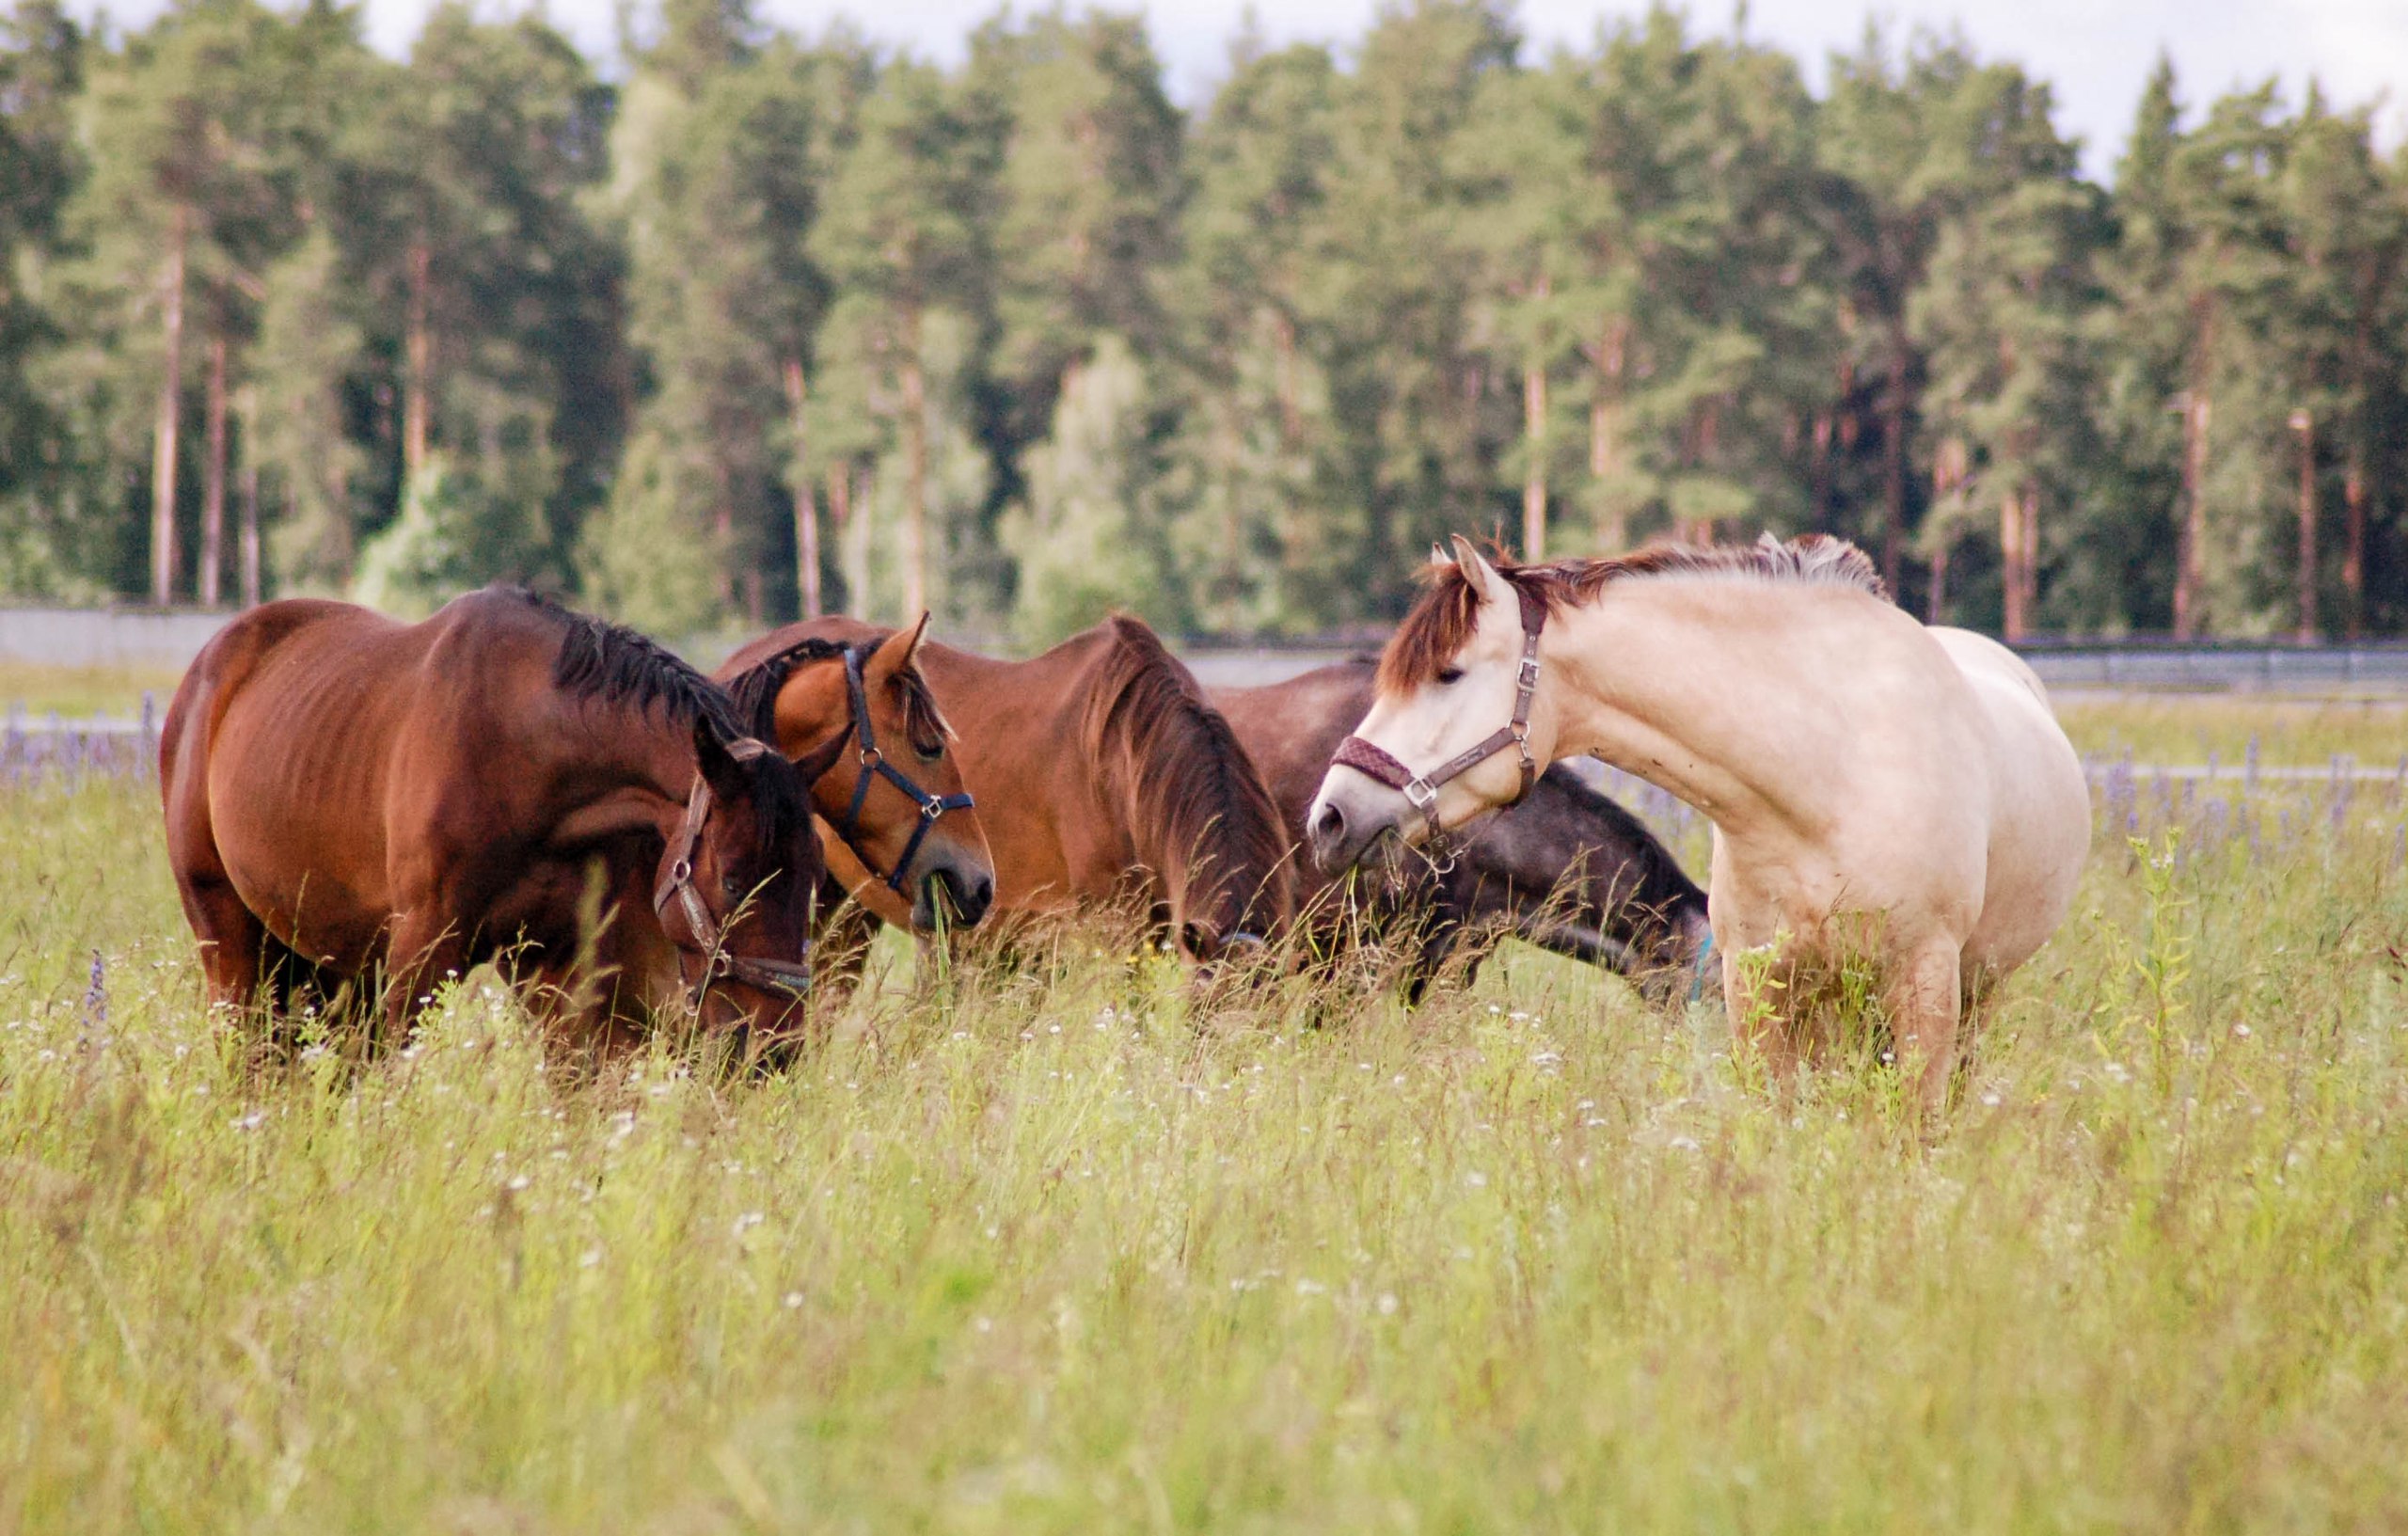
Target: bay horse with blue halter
345, 795
914, 831
1103, 777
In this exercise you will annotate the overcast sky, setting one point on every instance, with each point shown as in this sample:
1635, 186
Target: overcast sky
2094, 51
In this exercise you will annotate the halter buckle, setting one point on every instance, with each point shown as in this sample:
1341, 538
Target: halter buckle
681, 872
1526, 678
1420, 795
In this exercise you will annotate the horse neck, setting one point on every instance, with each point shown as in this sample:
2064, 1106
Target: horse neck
650, 756
1675, 680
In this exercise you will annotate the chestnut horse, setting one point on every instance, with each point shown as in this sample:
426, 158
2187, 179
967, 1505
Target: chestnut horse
344, 792
1567, 869
1104, 775
896, 799
1882, 792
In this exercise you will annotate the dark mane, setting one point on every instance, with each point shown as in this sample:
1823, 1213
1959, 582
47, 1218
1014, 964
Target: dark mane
755, 689
1443, 620
1198, 807
613, 664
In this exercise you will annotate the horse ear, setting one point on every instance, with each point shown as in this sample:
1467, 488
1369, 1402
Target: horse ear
1438, 554
717, 764
1492, 587
897, 651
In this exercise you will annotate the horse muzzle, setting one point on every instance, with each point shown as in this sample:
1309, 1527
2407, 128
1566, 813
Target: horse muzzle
957, 896
1341, 825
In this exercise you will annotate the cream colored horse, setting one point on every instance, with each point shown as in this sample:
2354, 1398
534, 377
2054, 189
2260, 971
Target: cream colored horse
1878, 789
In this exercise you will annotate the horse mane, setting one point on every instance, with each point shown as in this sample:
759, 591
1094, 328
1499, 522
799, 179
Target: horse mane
757, 689
1444, 618
611, 663
1196, 801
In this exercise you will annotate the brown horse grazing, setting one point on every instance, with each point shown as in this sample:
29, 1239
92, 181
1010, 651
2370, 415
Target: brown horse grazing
896, 799
1567, 869
1102, 774
344, 792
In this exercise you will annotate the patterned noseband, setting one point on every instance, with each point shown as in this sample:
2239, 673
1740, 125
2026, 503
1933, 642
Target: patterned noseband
1422, 789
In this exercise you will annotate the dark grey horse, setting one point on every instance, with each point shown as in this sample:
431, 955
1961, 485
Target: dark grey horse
1567, 869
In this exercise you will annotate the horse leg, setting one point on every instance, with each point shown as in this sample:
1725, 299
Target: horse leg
1923, 1000
232, 939
426, 948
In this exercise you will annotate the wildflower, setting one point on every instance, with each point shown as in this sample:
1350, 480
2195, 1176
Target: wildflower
249, 1122
748, 1221
1387, 1304
794, 1301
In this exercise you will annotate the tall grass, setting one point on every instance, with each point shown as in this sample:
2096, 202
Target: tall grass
1068, 1252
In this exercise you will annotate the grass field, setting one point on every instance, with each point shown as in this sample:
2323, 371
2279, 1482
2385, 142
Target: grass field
1064, 1254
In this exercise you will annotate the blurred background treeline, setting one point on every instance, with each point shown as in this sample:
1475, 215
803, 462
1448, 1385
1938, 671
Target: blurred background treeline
760, 323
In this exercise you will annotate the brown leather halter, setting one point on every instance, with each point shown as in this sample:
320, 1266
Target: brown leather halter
1421, 790
677, 884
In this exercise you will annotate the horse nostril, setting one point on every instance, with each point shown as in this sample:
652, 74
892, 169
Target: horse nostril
1330, 825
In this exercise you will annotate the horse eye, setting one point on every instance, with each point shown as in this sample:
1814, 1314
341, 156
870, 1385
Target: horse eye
733, 885
927, 754
1448, 676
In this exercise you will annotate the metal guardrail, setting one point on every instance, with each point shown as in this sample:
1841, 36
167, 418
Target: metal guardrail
31, 747
2272, 669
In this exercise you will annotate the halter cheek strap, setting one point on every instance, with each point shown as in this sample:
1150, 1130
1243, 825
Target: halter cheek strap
676, 883
1422, 789
874, 763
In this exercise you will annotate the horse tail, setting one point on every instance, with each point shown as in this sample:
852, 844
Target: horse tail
1197, 808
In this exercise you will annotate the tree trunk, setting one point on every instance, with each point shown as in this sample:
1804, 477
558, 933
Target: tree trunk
1818, 473
853, 547
1283, 343
418, 360
2192, 533
2353, 551
806, 509
250, 534
1534, 473
212, 479
723, 529
1893, 460
2305, 424
162, 458
915, 473
2018, 548
1605, 432
1936, 600
2031, 574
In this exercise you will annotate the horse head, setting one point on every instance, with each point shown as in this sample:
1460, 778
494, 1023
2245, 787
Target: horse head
896, 796
735, 886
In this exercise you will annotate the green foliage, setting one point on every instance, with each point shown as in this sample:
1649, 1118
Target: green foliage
1086, 540
1651, 286
453, 535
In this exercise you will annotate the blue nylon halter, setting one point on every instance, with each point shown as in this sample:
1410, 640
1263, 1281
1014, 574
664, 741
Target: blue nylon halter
1697, 972
874, 763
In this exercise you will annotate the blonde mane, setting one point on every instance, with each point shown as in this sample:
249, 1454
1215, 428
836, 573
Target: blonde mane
1442, 621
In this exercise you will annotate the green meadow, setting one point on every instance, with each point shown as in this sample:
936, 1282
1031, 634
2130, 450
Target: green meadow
1069, 1248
